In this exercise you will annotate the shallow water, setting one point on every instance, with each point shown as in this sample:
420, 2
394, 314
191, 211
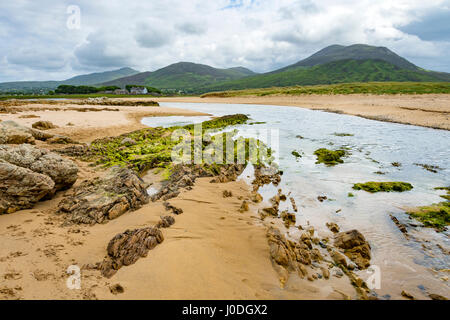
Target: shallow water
374, 145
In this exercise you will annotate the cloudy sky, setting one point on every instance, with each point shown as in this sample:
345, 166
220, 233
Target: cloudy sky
43, 40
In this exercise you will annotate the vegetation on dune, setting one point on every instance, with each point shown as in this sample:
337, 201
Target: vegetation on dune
373, 186
329, 157
377, 88
435, 216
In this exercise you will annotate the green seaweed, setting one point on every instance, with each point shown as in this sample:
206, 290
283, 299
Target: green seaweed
296, 154
329, 157
350, 195
373, 186
435, 216
154, 146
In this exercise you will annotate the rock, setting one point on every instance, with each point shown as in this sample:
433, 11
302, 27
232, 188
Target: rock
43, 125
100, 200
184, 176
288, 218
294, 205
338, 273
270, 211
434, 296
322, 198
58, 139
172, 208
325, 272
256, 197
407, 295
333, 227
244, 206
355, 247
13, 133
29, 174
21, 188
128, 142
165, 222
116, 289
264, 175
62, 171
399, 225
338, 258
127, 247
227, 194
279, 249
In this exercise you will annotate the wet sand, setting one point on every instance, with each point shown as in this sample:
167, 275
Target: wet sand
428, 110
213, 251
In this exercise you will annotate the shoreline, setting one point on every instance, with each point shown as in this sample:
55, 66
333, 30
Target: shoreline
213, 249
427, 110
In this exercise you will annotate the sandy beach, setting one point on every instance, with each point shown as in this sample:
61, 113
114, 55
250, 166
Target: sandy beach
213, 251
428, 110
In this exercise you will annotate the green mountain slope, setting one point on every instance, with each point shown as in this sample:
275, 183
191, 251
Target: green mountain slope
343, 71
354, 52
87, 79
183, 75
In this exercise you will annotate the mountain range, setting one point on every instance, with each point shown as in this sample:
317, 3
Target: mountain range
333, 64
87, 80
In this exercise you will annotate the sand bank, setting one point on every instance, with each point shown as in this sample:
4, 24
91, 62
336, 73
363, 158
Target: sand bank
428, 110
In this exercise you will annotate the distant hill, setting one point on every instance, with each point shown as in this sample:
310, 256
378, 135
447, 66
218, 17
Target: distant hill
353, 52
337, 64
87, 79
182, 75
342, 71
332, 65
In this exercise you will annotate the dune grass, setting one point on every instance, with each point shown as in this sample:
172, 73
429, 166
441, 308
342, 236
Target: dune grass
377, 88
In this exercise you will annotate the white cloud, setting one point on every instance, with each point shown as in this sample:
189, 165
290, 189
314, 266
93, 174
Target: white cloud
258, 34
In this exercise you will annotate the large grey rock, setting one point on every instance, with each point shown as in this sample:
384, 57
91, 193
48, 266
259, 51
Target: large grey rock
100, 200
62, 171
13, 133
29, 174
21, 188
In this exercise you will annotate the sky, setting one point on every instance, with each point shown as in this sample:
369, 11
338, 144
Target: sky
55, 40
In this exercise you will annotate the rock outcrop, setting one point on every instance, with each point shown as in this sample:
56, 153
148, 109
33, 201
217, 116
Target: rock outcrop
355, 247
29, 174
62, 171
184, 176
43, 125
127, 247
21, 188
13, 133
100, 200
